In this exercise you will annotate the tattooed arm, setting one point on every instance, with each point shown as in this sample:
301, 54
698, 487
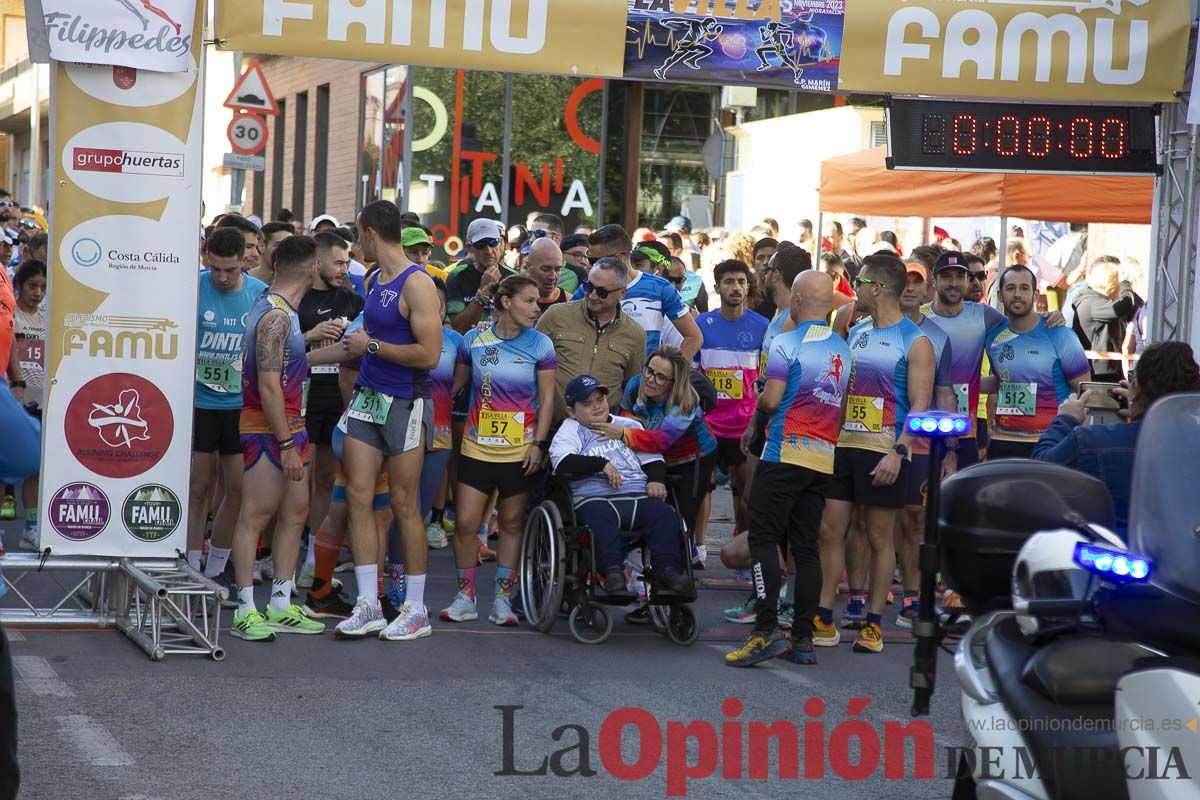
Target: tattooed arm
269, 340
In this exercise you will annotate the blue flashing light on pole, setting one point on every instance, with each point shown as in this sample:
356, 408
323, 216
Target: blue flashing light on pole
1112, 563
938, 424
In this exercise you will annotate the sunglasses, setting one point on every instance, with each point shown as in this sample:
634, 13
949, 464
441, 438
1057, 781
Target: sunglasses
538, 233
593, 259
484, 244
678, 281
977, 276
657, 377
601, 292
866, 281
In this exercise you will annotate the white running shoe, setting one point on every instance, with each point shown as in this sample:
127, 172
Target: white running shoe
306, 577
365, 620
29, 539
436, 536
502, 613
410, 624
461, 610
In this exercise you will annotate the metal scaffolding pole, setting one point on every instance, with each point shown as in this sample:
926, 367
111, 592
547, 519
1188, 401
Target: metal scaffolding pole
1174, 244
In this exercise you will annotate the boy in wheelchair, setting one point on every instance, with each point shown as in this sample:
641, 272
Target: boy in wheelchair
615, 489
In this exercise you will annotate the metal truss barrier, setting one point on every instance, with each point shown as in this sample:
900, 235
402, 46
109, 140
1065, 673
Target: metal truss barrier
163, 605
1174, 244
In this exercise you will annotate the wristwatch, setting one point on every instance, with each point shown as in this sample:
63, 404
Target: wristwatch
900, 450
484, 302
541, 444
372, 347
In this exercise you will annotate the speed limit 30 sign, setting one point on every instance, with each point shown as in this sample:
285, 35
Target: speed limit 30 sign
247, 134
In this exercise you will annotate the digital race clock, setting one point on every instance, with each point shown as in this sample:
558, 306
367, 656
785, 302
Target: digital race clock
1015, 137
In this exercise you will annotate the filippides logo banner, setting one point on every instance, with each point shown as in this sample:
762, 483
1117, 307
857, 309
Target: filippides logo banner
143, 34
124, 270
571, 37
1076, 50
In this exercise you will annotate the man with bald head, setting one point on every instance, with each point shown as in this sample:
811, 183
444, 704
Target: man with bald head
543, 264
801, 408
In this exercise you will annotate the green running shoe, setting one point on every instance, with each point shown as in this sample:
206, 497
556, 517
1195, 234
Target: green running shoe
293, 619
251, 626
743, 614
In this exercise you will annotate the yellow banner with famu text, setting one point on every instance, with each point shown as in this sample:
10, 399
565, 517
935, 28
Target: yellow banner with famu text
1108, 51
569, 37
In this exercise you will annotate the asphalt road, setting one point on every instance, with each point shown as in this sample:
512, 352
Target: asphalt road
309, 717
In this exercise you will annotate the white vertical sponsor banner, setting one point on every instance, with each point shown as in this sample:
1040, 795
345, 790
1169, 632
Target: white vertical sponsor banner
144, 34
124, 271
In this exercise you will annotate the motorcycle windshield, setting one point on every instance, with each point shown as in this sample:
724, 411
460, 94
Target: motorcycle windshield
1164, 514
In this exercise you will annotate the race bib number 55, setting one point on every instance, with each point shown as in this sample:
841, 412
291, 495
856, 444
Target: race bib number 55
864, 414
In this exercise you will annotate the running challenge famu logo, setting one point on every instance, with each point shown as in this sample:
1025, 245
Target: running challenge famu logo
128, 162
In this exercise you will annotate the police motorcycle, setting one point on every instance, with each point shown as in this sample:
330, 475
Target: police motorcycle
1080, 672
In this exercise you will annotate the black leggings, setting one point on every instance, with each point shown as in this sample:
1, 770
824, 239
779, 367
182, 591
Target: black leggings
10, 776
690, 482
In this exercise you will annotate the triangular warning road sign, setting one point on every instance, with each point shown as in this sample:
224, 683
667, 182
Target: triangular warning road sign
1191, 726
251, 92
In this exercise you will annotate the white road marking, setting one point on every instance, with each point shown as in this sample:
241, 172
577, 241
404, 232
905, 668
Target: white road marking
14, 636
777, 667
40, 677
95, 744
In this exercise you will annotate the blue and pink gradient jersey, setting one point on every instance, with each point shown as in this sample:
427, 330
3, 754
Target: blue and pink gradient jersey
729, 357
1035, 370
291, 378
877, 397
943, 359
442, 377
504, 393
968, 331
814, 363
679, 437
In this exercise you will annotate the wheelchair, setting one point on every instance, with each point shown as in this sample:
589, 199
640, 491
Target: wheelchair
557, 576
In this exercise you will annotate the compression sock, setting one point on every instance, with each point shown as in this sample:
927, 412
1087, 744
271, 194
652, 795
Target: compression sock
466, 581
310, 554
875, 619
504, 582
218, 557
825, 615
31, 516
394, 583
328, 548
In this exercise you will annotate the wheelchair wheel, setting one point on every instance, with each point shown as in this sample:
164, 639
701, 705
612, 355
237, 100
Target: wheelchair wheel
590, 626
543, 566
682, 628
659, 614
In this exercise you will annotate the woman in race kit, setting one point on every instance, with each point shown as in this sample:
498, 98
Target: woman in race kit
510, 368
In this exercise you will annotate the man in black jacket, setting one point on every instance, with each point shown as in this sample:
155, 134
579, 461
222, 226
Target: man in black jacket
1102, 310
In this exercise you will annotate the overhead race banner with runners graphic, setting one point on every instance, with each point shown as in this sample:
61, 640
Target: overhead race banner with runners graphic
786, 45
122, 339
572, 37
1080, 50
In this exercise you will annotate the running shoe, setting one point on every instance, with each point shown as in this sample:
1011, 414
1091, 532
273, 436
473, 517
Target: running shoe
461, 610
411, 624
891, 598
855, 614
8, 507
699, 557
825, 635
802, 652
787, 615
365, 620
870, 639
293, 619
908, 614
436, 536
29, 539
639, 616
486, 553
306, 577
332, 606
345, 562
251, 626
757, 648
742, 614
447, 523
502, 613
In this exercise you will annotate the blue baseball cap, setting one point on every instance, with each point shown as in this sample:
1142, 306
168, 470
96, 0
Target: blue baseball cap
581, 388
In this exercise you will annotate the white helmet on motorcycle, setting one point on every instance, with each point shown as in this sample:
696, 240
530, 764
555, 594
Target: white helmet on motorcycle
1046, 570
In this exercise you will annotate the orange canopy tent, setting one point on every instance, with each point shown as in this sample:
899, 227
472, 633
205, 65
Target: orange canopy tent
861, 183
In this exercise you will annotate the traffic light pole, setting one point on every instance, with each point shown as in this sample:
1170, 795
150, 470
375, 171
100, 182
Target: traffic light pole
924, 669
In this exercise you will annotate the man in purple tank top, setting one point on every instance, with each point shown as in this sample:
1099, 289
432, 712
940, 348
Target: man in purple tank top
390, 418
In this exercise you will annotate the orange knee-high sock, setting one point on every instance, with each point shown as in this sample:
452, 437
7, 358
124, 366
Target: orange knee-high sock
328, 547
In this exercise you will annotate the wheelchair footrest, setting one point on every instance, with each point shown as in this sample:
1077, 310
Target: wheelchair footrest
614, 598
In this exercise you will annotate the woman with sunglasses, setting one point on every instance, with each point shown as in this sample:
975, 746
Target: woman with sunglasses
663, 400
510, 368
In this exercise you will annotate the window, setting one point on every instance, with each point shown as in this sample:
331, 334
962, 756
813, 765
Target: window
321, 150
277, 160
300, 158
676, 122
381, 155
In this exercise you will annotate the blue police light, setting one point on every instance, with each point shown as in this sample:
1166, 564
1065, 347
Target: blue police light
938, 424
1112, 564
